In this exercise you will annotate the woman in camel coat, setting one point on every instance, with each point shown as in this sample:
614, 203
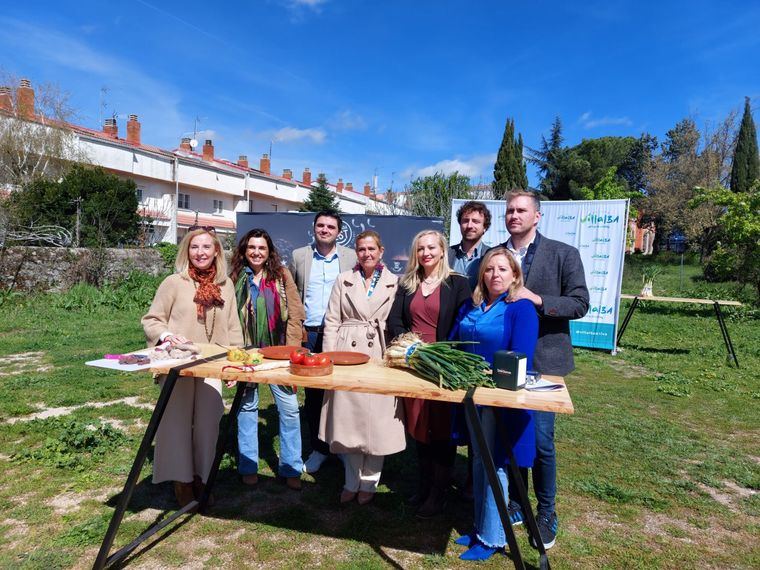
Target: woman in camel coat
195, 304
363, 427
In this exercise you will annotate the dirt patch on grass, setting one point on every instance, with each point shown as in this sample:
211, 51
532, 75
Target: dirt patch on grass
729, 496
46, 412
23, 363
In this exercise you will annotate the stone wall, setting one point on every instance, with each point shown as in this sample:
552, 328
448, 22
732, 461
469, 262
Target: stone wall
57, 268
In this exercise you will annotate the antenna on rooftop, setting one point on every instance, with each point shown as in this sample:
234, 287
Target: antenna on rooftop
103, 102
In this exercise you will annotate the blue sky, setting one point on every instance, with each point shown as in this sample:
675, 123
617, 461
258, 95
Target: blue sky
397, 87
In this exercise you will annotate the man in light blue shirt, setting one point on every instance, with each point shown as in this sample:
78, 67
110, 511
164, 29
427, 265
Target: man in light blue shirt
474, 219
315, 268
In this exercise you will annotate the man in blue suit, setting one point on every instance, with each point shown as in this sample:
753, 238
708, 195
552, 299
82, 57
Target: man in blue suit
555, 283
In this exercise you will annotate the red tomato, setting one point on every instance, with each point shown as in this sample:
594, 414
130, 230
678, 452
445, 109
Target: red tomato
323, 360
310, 360
297, 356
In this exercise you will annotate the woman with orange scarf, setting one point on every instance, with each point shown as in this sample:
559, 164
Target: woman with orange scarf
196, 304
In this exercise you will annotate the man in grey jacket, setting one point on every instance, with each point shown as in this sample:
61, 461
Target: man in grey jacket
315, 268
555, 283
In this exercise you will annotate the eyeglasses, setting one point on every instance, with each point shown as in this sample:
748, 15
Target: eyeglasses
209, 229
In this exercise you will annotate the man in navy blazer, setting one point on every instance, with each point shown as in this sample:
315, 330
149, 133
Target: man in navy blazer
554, 281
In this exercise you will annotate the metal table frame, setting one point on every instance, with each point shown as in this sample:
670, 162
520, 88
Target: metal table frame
718, 314
105, 560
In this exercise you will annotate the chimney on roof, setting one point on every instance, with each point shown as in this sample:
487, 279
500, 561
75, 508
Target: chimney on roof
339, 185
133, 130
185, 144
321, 177
306, 179
6, 102
287, 173
265, 165
350, 187
25, 99
243, 161
367, 189
208, 150
111, 127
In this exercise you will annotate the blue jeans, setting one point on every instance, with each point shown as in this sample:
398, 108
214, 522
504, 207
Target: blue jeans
290, 464
544, 467
488, 527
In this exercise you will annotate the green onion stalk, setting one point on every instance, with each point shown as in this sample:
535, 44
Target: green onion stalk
439, 362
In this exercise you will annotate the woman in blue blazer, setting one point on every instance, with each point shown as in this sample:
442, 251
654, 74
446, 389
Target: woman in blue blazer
493, 323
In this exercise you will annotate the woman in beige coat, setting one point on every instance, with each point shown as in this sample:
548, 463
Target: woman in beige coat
196, 304
362, 427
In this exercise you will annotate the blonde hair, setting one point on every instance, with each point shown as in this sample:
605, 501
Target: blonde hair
182, 263
481, 291
414, 273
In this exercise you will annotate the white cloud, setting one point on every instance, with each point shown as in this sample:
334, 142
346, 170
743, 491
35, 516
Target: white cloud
208, 134
291, 134
473, 167
308, 3
587, 121
348, 120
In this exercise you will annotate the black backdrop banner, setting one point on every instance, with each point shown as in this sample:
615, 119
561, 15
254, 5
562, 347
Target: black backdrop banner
290, 231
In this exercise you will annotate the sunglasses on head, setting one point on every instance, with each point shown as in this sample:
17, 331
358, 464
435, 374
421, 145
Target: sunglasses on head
209, 229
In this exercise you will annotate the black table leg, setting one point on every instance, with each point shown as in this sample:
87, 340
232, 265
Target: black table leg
493, 478
522, 493
724, 332
142, 453
103, 560
627, 318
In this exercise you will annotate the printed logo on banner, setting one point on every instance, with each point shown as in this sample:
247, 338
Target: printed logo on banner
565, 218
601, 310
597, 289
599, 272
600, 256
346, 235
600, 220
601, 240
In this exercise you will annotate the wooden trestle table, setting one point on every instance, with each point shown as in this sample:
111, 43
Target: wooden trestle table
373, 378
717, 304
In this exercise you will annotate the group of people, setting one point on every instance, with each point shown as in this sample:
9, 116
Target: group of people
519, 295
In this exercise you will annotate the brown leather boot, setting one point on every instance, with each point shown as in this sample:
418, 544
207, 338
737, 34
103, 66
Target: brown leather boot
198, 487
184, 493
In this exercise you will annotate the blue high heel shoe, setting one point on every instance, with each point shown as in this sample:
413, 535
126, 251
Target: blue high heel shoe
478, 552
466, 540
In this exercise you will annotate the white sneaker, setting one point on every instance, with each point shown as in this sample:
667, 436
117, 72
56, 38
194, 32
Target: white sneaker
314, 462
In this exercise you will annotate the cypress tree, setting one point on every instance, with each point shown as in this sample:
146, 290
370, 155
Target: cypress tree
320, 198
745, 168
509, 170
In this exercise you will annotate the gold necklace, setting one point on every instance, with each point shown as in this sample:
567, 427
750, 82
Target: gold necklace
213, 323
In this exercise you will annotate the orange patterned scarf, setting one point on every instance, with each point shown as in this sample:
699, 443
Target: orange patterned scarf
208, 294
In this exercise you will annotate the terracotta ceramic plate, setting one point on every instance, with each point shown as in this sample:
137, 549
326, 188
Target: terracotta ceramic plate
347, 358
278, 352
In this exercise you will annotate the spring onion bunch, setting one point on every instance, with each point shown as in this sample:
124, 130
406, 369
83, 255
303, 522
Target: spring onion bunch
438, 362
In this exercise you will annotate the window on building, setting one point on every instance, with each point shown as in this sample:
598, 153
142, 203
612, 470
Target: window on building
139, 193
250, 206
184, 201
218, 206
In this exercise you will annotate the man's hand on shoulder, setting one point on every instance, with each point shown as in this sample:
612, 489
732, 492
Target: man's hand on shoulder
525, 293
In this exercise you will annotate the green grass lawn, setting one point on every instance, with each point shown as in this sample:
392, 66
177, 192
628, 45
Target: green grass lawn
658, 467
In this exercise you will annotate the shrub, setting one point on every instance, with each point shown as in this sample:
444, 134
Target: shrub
721, 265
168, 253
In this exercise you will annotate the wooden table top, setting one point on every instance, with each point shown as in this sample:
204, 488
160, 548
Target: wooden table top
682, 300
375, 378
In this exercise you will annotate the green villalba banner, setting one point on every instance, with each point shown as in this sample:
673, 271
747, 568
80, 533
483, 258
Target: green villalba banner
597, 228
